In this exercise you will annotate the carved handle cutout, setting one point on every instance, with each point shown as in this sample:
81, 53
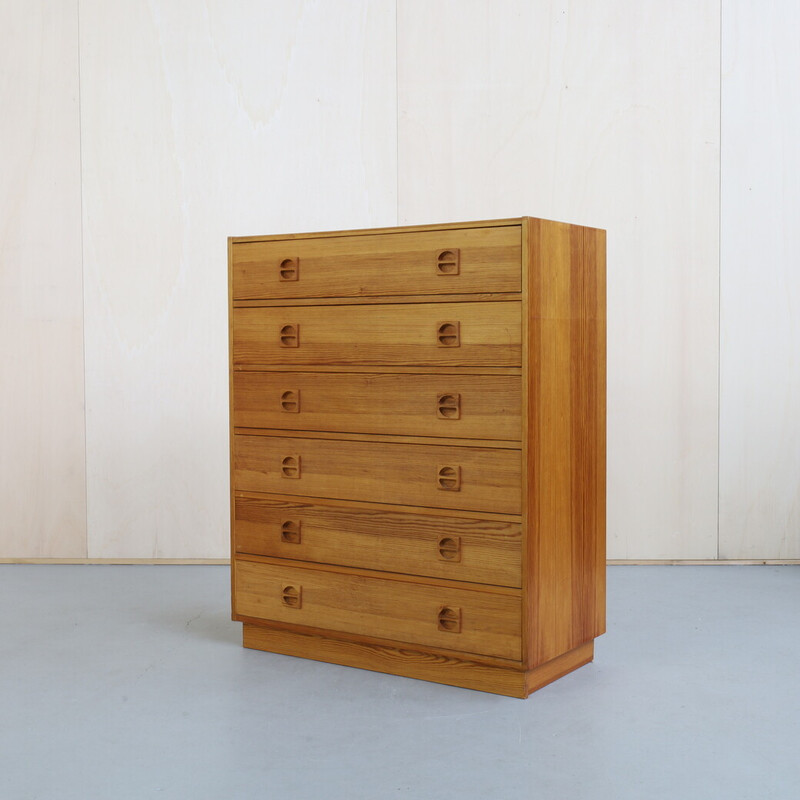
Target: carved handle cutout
449, 548
290, 335
290, 466
448, 262
448, 478
289, 269
448, 334
449, 619
290, 531
292, 596
448, 406
290, 401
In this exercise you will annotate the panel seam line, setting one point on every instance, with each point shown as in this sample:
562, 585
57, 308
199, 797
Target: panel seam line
83, 290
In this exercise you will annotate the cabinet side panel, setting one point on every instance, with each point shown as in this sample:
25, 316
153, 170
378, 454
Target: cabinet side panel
565, 448
588, 431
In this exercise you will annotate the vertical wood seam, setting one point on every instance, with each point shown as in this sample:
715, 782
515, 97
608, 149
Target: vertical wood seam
86, 553
719, 286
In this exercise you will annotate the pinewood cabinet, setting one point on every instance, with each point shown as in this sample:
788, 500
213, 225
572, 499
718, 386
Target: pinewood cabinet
418, 448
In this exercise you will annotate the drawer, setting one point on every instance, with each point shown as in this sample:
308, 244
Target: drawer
463, 406
469, 478
480, 550
428, 334
480, 622
434, 262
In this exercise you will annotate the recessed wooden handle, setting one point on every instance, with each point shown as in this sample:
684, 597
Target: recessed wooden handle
290, 466
290, 531
449, 548
448, 262
448, 334
292, 596
290, 401
449, 619
448, 406
290, 335
289, 269
448, 478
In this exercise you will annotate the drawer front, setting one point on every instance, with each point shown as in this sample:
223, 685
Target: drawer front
463, 406
427, 334
456, 619
435, 262
469, 478
480, 550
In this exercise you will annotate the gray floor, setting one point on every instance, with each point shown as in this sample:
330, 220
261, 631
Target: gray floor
130, 682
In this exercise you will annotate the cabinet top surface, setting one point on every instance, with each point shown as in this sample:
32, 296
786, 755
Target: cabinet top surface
491, 223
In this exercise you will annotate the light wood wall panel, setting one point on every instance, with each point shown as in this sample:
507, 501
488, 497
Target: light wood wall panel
200, 121
42, 464
204, 120
760, 282
605, 114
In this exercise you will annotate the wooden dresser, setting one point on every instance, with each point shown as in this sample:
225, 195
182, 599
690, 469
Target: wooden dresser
418, 448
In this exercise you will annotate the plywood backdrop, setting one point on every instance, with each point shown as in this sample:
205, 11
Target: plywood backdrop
200, 121
42, 447
760, 282
180, 123
604, 114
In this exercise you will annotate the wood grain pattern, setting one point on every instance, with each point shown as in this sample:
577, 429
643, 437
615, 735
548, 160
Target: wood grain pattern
366, 525
440, 226
380, 335
351, 368
557, 667
376, 639
531, 92
231, 440
378, 607
413, 663
392, 299
389, 473
380, 539
42, 423
405, 578
164, 182
371, 506
393, 403
497, 444
564, 560
379, 264
759, 424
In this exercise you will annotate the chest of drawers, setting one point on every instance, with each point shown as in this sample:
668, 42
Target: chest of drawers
418, 448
